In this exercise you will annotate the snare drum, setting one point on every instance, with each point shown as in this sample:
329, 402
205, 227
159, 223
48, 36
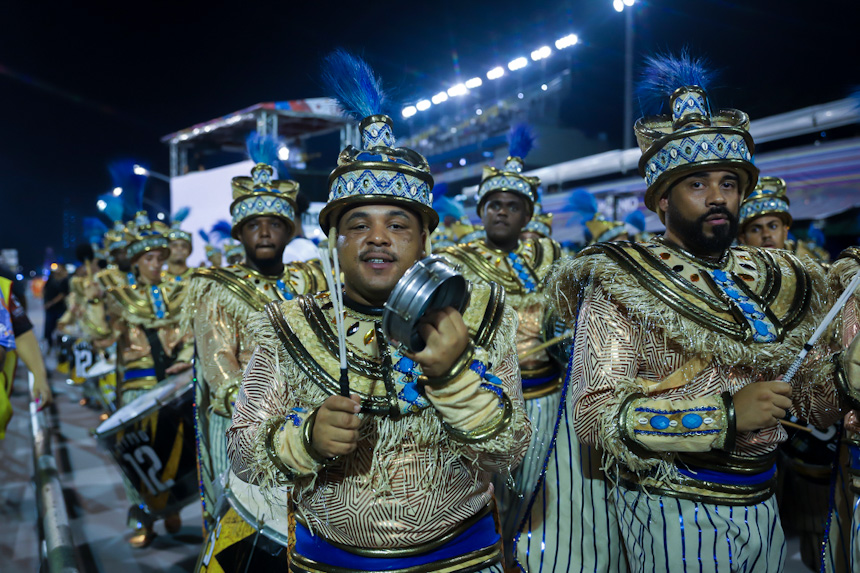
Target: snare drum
152, 440
250, 534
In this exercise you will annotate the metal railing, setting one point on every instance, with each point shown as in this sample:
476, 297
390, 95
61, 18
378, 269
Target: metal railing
58, 547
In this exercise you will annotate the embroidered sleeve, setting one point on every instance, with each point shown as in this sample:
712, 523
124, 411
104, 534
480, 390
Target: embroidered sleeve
609, 396
217, 349
265, 440
483, 408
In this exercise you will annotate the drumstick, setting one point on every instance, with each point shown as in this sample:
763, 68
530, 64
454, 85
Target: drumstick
840, 302
547, 344
336, 297
796, 426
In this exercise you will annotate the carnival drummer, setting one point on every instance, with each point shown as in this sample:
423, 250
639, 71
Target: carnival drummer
397, 474
679, 344
143, 320
220, 304
507, 200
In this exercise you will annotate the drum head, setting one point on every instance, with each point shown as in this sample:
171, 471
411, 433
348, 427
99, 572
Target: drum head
164, 392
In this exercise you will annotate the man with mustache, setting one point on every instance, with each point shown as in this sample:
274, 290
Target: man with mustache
680, 343
396, 475
506, 204
220, 304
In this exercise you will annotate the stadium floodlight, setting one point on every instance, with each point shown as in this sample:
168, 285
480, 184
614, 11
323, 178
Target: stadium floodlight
541, 53
423, 105
140, 170
566, 42
284, 153
496, 73
458, 90
409, 111
518, 64
439, 98
629, 3
479, 111
618, 5
117, 191
474, 83
160, 216
101, 204
544, 87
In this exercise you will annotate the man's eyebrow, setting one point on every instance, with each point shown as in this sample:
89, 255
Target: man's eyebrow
356, 215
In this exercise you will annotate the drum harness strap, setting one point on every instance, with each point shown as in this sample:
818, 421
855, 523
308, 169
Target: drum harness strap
160, 358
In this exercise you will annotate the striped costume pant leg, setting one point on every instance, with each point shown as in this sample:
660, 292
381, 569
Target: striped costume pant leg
135, 517
842, 549
570, 522
668, 534
512, 501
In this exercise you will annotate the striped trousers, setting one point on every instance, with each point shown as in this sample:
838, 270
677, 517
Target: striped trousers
212, 451
570, 522
668, 534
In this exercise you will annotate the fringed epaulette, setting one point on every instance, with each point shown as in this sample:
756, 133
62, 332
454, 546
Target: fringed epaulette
224, 289
698, 320
843, 269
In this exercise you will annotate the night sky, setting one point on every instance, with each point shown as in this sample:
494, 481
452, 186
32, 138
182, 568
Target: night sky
83, 85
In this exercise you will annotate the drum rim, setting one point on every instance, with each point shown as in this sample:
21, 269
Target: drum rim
243, 512
143, 413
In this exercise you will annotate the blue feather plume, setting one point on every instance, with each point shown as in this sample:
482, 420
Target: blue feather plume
582, 205
636, 219
521, 140
221, 231
264, 149
816, 235
352, 82
665, 73
440, 189
113, 207
181, 214
94, 229
204, 235
445, 206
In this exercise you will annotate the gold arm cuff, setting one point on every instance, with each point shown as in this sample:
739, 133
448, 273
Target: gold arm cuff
308, 441
457, 368
489, 430
231, 390
274, 426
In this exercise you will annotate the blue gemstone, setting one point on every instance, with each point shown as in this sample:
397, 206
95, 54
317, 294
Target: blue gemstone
691, 421
748, 308
659, 422
761, 327
518, 266
733, 294
720, 275
404, 365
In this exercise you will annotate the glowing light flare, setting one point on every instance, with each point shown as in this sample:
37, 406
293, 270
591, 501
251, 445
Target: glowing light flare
518, 63
101, 204
541, 53
496, 73
458, 90
140, 170
474, 83
566, 41
117, 191
618, 5
439, 98
160, 216
284, 153
423, 105
409, 111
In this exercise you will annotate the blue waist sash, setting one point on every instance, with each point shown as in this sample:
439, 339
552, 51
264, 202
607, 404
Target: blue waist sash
535, 382
138, 373
726, 478
480, 535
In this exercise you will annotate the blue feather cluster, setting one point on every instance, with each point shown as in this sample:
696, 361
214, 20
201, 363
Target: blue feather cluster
521, 140
663, 74
352, 82
204, 235
181, 215
816, 235
94, 229
445, 206
221, 231
582, 205
636, 219
264, 149
113, 207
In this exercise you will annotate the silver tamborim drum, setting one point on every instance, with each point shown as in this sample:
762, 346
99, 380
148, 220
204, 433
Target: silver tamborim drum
430, 284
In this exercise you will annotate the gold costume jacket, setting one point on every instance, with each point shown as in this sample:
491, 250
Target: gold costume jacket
425, 455
129, 311
662, 341
522, 273
219, 306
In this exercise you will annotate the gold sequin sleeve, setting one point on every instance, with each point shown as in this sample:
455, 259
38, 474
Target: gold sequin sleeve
217, 334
